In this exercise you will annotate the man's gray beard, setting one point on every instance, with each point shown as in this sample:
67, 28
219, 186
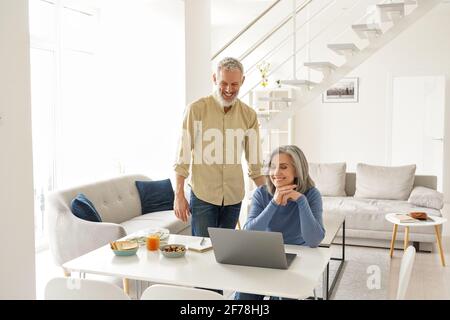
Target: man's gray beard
222, 102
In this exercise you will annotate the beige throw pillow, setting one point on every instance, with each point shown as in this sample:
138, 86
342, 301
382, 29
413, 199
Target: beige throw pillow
426, 197
390, 183
329, 178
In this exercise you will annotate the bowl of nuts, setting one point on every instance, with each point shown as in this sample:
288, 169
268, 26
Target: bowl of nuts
173, 250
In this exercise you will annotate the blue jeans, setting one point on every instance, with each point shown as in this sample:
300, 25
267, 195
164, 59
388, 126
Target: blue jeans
206, 215
252, 296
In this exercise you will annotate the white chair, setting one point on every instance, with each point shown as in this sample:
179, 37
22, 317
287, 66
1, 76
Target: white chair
168, 292
82, 289
405, 272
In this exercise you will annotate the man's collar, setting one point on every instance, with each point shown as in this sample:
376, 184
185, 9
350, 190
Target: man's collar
217, 102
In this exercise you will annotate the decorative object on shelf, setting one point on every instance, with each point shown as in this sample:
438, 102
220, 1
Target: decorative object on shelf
264, 68
278, 82
346, 90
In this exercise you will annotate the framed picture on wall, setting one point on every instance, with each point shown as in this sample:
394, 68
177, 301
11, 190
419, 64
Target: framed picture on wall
345, 90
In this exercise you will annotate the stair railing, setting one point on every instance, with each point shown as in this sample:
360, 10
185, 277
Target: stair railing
298, 50
277, 47
274, 30
284, 41
247, 27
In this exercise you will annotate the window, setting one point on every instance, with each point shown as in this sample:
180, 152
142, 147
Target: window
107, 91
61, 57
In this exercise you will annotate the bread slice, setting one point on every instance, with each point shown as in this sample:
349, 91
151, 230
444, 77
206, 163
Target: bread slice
124, 245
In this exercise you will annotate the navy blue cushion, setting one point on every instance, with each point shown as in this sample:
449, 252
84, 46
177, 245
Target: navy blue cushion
84, 209
155, 195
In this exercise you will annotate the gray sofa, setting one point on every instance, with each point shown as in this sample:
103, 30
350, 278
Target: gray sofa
365, 222
118, 203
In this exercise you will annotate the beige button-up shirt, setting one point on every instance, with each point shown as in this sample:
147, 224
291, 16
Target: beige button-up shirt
211, 146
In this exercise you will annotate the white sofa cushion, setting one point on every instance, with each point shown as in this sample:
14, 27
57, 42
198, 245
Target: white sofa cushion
329, 178
161, 219
369, 214
377, 182
426, 197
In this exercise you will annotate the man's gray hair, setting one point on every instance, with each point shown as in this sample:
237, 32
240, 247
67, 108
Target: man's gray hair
302, 178
229, 63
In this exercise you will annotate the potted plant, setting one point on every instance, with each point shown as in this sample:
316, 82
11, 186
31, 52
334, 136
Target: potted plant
264, 68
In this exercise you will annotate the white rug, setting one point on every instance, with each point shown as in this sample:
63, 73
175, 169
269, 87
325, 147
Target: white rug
364, 276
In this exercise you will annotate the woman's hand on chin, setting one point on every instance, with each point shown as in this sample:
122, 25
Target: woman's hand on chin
293, 195
281, 193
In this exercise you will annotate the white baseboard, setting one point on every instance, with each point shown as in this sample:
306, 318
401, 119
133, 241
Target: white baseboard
377, 243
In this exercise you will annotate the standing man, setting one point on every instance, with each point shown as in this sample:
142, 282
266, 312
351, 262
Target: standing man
216, 129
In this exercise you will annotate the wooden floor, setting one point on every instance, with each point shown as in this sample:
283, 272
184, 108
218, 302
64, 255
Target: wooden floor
429, 279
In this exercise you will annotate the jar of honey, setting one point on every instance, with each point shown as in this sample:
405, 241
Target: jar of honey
153, 242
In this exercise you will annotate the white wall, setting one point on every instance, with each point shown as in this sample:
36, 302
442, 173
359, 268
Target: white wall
198, 49
360, 132
17, 272
141, 62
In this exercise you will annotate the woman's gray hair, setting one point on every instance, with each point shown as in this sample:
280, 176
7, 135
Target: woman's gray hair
302, 178
230, 63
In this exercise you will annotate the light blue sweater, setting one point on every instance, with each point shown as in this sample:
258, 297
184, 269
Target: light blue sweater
299, 221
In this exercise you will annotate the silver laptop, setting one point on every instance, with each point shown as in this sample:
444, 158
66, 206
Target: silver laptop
250, 248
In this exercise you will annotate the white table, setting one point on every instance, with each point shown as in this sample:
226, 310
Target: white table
197, 269
437, 221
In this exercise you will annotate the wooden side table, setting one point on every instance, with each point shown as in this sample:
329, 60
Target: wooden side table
437, 221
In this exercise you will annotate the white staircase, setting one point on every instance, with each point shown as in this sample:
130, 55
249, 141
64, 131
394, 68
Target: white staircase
391, 20
393, 11
298, 83
276, 99
323, 66
367, 30
378, 25
344, 49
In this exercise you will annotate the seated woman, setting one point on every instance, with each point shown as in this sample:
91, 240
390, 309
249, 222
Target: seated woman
289, 203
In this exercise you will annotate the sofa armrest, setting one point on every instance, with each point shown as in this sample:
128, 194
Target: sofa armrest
71, 237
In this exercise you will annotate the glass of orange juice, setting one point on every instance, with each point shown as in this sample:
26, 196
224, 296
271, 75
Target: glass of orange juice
153, 242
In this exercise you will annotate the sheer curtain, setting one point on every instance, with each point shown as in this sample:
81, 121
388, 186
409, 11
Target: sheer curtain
107, 91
